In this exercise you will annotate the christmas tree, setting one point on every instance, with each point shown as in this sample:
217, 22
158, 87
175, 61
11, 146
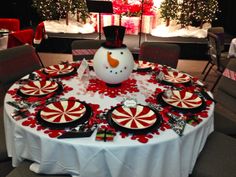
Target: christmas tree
185, 12
205, 11
184, 15
56, 9
168, 9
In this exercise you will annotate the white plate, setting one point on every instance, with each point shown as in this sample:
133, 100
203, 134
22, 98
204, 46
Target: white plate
183, 99
39, 88
134, 118
140, 64
176, 77
62, 112
59, 69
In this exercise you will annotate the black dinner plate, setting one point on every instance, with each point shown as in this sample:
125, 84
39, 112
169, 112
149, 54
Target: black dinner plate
61, 75
183, 110
188, 83
143, 69
56, 92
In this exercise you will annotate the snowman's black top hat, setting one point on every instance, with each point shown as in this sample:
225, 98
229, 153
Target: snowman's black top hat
114, 36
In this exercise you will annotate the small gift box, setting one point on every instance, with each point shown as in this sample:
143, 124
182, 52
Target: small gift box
192, 119
104, 134
108, 20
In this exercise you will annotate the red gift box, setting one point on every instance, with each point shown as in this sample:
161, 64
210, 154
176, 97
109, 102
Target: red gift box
147, 21
131, 24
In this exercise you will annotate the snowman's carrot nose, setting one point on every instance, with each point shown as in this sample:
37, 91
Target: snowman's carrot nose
112, 61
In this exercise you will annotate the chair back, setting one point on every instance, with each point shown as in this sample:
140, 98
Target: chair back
161, 53
226, 88
214, 51
17, 62
219, 31
12, 24
20, 37
85, 48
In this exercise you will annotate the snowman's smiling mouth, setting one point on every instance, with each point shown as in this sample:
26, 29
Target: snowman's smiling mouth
115, 71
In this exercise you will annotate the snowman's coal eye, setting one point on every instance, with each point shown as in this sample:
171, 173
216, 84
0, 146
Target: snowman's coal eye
106, 67
121, 53
125, 67
110, 53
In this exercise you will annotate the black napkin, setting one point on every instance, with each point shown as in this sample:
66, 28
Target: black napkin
83, 131
76, 134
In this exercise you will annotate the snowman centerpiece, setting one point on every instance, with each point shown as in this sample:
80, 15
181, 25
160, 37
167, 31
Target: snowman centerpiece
113, 62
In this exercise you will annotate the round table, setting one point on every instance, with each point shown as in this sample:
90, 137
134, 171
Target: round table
160, 153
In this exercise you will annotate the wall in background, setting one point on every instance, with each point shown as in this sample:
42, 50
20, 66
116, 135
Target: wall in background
20, 9
227, 16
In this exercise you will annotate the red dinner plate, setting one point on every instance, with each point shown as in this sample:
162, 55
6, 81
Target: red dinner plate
143, 64
57, 70
183, 99
134, 118
39, 88
63, 112
176, 77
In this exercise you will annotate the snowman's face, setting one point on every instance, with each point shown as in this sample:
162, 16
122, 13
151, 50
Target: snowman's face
113, 65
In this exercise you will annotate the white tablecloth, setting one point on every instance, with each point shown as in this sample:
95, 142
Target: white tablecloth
164, 155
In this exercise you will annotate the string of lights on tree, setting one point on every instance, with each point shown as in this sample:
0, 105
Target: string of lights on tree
168, 10
56, 9
185, 12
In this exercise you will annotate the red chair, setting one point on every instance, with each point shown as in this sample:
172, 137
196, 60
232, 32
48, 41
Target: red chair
20, 38
161, 53
16, 36
12, 24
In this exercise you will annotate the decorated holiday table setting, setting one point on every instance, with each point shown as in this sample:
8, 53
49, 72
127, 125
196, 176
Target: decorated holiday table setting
73, 123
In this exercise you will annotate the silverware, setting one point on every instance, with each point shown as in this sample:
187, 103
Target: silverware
176, 123
14, 104
156, 107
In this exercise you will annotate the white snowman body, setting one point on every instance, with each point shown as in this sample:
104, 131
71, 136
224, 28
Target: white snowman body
113, 65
